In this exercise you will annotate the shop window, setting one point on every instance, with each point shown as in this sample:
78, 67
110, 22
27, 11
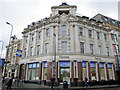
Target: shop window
110, 73
93, 70
102, 71
75, 69
45, 71
64, 71
33, 71
84, 70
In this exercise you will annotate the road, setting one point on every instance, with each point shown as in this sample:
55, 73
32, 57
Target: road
113, 88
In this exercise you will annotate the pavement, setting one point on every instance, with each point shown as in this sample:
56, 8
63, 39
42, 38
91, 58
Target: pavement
30, 86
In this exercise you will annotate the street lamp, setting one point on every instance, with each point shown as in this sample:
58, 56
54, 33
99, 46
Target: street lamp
2, 48
8, 49
55, 51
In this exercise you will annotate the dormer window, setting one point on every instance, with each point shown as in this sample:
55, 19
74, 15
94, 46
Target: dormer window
66, 12
113, 21
106, 19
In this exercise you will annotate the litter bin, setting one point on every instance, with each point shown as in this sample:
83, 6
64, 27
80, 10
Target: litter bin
65, 84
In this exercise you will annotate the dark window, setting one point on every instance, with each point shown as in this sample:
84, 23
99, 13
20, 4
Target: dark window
66, 12
82, 47
90, 33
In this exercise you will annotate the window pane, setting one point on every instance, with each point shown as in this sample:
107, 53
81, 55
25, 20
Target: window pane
47, 32
64, 47
90, 33
46, 48
105, 37
38, 65
100, 50
34, 65
39, 35
38, 50
91, 48
81, 31
82, 47
64, 30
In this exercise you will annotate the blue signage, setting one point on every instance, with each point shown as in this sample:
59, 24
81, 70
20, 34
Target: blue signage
101, 65
45, 64
83, 64
64, 63
92, 64
29, 65
109, 65
74, 63
2, 62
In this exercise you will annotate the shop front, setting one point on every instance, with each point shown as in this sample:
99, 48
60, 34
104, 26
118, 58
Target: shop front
64, 71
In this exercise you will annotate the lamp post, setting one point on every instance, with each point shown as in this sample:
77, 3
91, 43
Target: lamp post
2, 48
7, 59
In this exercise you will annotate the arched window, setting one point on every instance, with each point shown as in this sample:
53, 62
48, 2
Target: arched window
64, 30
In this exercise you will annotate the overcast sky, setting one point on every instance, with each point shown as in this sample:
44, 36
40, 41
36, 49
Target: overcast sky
21, 13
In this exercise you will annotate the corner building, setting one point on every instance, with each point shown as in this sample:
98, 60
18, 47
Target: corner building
68, 47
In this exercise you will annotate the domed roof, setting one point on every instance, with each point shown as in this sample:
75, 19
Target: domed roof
64, 4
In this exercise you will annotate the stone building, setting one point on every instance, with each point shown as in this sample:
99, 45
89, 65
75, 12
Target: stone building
114, 25
12, 58
68, 47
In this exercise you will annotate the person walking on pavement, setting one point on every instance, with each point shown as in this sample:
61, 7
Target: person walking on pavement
9, 83
86, 80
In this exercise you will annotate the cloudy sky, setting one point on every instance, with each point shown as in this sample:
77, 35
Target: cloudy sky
21, 13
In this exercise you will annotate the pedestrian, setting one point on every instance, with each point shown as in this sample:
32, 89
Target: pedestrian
52, 82
9, 83
86, 82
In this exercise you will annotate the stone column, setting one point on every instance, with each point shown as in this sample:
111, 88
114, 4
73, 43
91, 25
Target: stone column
25, 65
72, 50
49, 71
56, 72
87, 44
103, 45
35, 42
28, 45
107, 74
57, 46
96, 43
114, 72
80, 77
72, 72
98, 72
42, 41
111, 47
40, 72
19, 72
89, 71
51, 40
22, 45
77, 43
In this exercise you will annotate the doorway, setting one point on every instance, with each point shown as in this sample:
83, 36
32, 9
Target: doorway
65, 74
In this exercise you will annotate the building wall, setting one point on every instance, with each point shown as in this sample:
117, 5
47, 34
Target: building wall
73, 48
